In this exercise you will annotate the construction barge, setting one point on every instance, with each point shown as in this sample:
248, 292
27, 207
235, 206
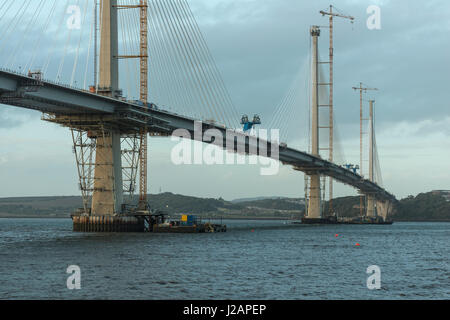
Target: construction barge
188, 224
142, 222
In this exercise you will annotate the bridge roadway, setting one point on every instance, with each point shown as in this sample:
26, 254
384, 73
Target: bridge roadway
73, 107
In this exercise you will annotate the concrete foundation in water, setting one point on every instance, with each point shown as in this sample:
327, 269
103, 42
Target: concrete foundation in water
108, 224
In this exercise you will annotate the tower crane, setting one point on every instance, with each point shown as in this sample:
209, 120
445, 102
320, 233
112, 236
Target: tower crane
143, 57
362, 90
332, 15
143, 95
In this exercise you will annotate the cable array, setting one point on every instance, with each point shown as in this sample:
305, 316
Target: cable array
292, 115
188, 75
183, 77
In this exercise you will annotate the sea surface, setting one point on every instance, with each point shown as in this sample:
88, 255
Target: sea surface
254, 260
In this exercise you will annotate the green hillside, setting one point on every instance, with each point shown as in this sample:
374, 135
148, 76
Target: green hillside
168, 202
425, 206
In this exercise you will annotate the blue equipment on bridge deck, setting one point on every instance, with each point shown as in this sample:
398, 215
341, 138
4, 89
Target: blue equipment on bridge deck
352, 167
149, 105
248, 125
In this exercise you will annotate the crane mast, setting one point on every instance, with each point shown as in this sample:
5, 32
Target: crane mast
95, 45
362, 90
143, 158
143, 95
332, 15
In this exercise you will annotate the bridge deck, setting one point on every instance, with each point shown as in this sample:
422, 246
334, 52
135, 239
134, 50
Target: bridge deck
77, 108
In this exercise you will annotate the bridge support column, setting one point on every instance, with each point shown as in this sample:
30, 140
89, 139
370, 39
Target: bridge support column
314, 214
107, 197
314, 206
371, 213
384, 209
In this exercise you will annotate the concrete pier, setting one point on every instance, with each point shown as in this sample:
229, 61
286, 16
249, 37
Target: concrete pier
107, 224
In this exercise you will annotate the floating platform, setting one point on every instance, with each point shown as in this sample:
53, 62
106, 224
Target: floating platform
187, 224
201, 228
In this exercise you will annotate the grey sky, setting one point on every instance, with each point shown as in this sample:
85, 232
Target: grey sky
259, 47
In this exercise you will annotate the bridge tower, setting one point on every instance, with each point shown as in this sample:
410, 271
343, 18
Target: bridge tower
371, 213
102, 138
107, 198
376, 209
314, 205
362, 90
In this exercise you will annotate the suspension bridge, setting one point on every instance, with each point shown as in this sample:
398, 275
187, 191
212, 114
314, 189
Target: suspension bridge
99, 89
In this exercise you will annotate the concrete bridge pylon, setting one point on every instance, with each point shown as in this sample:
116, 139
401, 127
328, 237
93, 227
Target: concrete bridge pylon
314, 205
105, 175
107, 198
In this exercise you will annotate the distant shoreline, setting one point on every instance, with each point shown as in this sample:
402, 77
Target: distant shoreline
426, 207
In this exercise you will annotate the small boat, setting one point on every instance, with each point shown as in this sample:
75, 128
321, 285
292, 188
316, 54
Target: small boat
188, 224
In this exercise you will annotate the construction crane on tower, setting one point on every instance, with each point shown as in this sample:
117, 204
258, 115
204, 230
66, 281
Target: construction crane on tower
332, 15
362, 90
143, 96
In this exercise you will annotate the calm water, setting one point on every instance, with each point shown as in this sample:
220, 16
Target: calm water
254, 260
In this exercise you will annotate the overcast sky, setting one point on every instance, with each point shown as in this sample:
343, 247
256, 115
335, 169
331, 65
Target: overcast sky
259, 46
